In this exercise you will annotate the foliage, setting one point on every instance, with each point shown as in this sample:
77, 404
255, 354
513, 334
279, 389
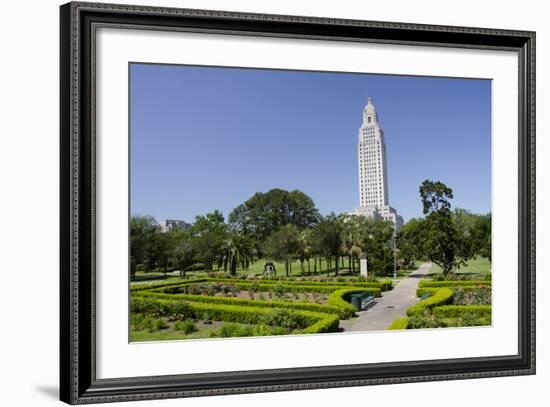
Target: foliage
472, 296
329, 323
442, 242
143, 229
186, 326
399, 323
441, 297
340, 298
458, 283
224, 312
456, 311
327, 239
183, 253
237, 250
210, 233
265, 213
283, 245
435, 197
409, 243
475, 230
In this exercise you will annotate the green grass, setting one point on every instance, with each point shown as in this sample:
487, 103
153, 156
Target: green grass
257, 268
478, 265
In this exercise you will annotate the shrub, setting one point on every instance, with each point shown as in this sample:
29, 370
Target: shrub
328, 324
460, 311
462, 295
160, 323
441, 297
304, 320
186, 326
399, 323
140, 322
229, 330
439, 284
260, 302
339, 299
424, 320
472, 296
284, 318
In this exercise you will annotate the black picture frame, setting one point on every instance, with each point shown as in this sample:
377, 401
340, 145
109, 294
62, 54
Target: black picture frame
78, 382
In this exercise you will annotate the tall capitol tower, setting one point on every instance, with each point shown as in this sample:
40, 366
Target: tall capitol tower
373, 177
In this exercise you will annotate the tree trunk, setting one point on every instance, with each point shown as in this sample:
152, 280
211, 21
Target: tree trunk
302, 267
349, 264
337, 265
308, 266
315, 264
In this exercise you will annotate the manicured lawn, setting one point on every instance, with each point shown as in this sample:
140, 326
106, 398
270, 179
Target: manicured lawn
478, 265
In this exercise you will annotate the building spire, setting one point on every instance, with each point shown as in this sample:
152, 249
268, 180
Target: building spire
370, 116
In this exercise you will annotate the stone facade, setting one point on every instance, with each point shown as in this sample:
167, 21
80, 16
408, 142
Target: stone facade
373, 177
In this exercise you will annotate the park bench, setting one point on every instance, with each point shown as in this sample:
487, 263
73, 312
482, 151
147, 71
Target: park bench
362, 301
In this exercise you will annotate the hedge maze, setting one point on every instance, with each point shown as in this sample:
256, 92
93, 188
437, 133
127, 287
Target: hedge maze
448, 304
222, 307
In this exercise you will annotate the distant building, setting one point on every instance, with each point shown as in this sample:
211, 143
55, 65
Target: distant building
169, 224
373, 177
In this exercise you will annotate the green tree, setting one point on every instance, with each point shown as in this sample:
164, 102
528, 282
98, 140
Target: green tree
305, 249
237, 250
352, 238
210, 234
435, 196
265, 213
142, 232
283, 246
377, 244
183, 253
442, 241
328, 240
163, 248
481, 236
409, 243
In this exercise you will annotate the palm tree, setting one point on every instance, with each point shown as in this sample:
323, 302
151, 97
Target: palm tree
305, 249
352, 227
238, 250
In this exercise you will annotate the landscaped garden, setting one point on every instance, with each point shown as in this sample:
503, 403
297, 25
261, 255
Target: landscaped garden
232, 307
456, 300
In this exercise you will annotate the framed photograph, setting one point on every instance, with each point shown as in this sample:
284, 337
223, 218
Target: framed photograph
255, 203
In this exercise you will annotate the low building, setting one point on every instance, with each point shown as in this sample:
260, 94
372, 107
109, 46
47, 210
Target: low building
170, 224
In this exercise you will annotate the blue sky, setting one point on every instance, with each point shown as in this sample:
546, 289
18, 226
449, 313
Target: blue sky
205, 138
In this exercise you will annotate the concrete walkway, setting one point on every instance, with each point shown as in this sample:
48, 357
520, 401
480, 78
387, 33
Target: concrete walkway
393, 304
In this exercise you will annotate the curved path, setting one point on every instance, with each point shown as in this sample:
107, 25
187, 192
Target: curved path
393, 304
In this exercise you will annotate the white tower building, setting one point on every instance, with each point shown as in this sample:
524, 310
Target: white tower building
373, 177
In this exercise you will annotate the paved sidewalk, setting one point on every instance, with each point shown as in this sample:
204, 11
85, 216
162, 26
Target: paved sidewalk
393, 304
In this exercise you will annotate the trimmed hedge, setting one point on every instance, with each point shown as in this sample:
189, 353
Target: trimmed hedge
141, 287
399, 323
459, 311
305, 320
246, 284
209, 299
384, 285
432, 290
340, 299
453, 283
328, 324
441, 297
